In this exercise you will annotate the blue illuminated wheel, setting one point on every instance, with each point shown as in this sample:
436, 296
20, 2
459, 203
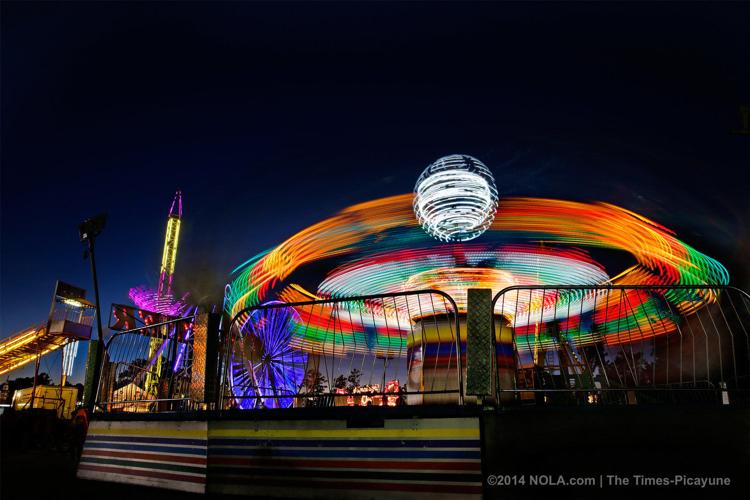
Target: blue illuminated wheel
265, 371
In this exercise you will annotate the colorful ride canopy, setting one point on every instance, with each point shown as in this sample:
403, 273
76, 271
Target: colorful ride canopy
379, 247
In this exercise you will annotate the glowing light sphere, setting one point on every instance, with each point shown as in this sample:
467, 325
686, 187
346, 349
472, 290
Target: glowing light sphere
455, 198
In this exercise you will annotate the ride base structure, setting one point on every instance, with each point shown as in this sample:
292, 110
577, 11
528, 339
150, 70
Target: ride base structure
504, 394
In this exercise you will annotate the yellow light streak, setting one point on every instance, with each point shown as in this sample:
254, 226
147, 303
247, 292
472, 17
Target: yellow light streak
169, 255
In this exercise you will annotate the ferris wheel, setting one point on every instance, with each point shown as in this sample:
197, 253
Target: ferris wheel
265, 371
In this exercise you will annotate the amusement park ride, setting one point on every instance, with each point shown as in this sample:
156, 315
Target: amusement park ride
163, 300
157, 318
391, 305
444, 296
70, 320
425, 241
71, 317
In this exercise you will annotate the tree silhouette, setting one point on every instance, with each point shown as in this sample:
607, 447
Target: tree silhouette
353, 380
316, 384
339, 382
135, 372
26, 382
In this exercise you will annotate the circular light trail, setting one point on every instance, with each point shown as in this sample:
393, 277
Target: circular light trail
378, 247
454, 268
455, 198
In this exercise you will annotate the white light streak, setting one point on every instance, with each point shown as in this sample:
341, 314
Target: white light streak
455, 198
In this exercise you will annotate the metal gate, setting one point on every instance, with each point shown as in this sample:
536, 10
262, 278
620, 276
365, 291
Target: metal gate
376, 350
621, 344
148, 369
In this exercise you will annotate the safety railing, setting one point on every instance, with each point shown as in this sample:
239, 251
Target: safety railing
628, 344
378, 350
148, 369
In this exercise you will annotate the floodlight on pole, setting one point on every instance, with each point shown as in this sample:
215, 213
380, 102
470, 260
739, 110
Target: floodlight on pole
88, 231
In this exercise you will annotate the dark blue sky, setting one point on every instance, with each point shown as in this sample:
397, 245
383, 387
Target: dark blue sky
271, 117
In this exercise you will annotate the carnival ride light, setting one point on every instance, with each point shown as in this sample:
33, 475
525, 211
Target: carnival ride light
70, 350
455, 198
162, 300
378, 247
21, 340
453, 268
27, 346
73, 303
149, 299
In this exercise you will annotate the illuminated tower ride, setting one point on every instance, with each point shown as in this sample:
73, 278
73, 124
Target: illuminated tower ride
169, 255
164, 297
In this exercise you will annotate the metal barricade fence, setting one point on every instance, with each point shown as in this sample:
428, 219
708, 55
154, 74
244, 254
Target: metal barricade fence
389, 350
148, 369
621, 344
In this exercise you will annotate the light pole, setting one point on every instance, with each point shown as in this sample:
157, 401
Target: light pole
89, 230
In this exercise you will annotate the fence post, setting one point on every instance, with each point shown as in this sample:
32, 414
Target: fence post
212, 374
504, 361
479, 343
91, 384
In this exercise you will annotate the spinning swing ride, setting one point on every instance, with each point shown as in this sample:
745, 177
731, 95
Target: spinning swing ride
452, 234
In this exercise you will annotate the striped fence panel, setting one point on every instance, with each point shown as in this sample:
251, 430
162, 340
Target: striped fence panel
163, 454
406, 458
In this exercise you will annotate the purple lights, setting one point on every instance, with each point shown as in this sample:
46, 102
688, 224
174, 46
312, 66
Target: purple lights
176, 203
162, 300
150, 300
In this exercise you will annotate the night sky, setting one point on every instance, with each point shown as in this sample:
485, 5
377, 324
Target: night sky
272, 117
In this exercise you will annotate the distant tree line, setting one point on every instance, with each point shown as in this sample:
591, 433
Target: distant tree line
41, 379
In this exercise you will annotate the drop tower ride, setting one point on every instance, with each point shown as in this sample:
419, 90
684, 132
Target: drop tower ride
164, 290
